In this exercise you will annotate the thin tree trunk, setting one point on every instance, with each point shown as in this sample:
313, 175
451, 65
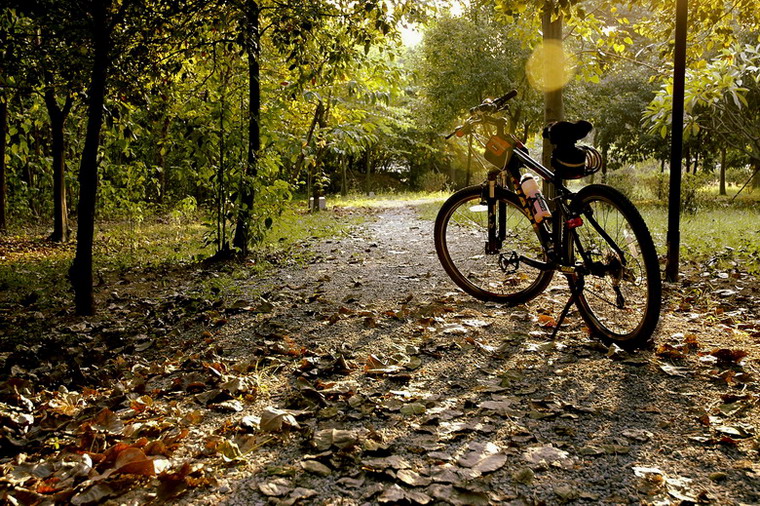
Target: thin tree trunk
3, 185
723, 171
302, 155
469, 159
553, 105
343, 178
57, 121
687, 157
161, 160
253, 50
369, 169
80, 272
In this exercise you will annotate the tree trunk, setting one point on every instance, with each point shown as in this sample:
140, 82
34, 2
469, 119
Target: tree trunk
369, 169
161, 160
452, 174
57, 121
687, 158
3, 185
80, 272
723, 171
469, 159
253, 50
553, 105
343, 178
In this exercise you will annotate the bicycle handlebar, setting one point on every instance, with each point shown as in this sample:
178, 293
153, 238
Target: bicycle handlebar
491, 106
488, 106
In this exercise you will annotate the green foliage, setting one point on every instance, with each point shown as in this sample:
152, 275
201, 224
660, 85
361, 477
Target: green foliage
433, 182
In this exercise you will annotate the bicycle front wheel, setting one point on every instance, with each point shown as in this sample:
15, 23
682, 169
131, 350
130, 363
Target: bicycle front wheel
621, 296
461, 237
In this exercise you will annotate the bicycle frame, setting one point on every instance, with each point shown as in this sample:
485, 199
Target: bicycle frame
563, 221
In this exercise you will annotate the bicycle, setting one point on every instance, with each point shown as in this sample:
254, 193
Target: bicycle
499, 242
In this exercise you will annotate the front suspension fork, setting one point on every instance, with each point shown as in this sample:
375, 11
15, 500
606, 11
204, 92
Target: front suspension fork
497, 211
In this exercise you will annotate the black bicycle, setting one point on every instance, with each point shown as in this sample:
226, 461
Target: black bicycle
501, 241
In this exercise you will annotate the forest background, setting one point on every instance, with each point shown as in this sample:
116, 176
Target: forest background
222, 117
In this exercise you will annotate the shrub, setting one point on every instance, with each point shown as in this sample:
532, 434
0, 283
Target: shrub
623, 180
433, 181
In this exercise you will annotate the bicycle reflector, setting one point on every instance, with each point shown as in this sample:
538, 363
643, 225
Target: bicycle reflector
496, 151
574, 222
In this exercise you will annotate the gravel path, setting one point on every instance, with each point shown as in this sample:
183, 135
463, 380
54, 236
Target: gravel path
386, 384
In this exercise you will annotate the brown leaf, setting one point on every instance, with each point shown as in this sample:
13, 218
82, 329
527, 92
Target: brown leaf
727, 356
395, 494
315, 467
374, 362
274, 420
276, 488
93, 495
173, 484
106, 421
483, 458
134, 461
393, 462
545, 320
668, 351
412, 478
547, 454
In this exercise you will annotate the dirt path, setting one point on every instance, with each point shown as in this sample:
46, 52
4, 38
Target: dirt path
381, 383
363, 376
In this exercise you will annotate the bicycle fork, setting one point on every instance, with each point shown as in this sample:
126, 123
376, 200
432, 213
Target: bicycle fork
497, 210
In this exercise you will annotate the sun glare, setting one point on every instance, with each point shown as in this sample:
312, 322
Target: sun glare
550, 67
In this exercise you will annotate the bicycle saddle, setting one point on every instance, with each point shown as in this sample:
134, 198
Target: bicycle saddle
568, 160
565, 132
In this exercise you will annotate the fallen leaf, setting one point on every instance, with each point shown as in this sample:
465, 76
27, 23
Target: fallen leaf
412, 478
315, 467
93, 495
483, 458
727, 357
276, 488
547, 455
672, 370
134, 461
275, 420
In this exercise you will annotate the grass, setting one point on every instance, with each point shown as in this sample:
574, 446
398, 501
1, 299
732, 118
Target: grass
386, 200
726, 236
32, 268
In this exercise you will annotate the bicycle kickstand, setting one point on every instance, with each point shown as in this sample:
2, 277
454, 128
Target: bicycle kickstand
574, 292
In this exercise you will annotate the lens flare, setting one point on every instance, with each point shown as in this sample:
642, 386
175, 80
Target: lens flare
550, 67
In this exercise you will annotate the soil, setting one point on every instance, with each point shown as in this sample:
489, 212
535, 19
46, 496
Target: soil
368, 378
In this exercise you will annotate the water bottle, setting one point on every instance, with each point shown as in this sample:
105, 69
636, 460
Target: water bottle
535, 197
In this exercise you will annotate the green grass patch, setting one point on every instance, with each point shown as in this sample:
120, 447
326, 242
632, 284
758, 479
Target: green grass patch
386, 200
723, 236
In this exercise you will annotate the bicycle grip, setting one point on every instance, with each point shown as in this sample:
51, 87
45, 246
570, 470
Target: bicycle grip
506, 97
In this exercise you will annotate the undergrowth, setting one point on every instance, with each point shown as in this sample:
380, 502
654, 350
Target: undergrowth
34, 271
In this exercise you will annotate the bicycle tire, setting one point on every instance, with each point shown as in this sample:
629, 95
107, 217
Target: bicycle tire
460, 237
626, 315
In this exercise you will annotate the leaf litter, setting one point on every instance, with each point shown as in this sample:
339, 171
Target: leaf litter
292, 397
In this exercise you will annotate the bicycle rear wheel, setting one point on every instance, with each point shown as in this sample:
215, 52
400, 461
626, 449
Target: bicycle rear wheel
621, 296
461, 235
